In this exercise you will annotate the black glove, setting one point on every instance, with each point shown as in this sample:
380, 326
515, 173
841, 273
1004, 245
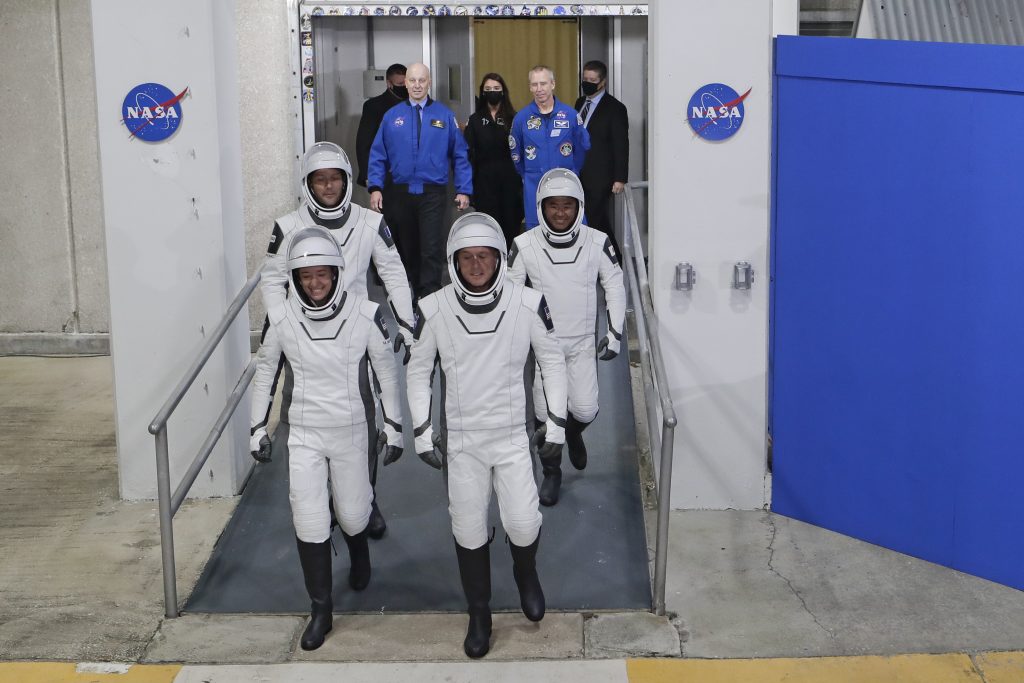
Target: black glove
263, 454
543, 448
434, 457
604, 352
389, 453
400, 343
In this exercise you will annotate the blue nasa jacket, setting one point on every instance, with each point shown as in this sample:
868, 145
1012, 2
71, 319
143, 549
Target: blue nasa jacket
540, 142
425, 161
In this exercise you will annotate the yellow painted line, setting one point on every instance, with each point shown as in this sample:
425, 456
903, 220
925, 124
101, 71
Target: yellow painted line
1001, 667
944, 668
63, 672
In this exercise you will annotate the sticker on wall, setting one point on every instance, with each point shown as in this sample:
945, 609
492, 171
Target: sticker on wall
152, 112
715, 111
307, 96
411, 11
307, 38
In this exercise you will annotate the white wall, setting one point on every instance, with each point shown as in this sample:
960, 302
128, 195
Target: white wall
174, 234
709, 206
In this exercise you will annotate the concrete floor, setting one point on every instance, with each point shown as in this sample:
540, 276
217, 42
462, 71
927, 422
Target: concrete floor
80, 574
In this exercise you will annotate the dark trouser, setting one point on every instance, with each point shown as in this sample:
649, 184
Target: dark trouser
416, 222
502, 199
598, 213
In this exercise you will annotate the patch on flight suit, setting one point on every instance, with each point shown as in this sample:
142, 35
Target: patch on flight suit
420, 322
385, 233
609, 251
382, 325
437, 123
545, 315
533, 123
399, 122
561, 124
276, 237
531, 152
512, 253
511, 142
560, 114
565, 149
515, 158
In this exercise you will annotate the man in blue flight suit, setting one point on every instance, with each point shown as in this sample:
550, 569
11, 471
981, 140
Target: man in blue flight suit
418, 142
546, 134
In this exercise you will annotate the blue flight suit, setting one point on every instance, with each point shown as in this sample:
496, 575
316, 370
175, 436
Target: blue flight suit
540, 142
419, 153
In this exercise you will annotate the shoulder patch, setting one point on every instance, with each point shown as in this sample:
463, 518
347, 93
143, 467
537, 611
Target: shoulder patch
610, 252
385, 233
382, 324
545, 314
266, 326
420, 322
276, 237
512, 253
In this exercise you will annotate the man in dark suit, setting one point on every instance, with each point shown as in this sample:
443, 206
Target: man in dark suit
606, 168
373, 112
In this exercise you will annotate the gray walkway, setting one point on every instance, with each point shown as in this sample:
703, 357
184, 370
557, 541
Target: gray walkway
80, 572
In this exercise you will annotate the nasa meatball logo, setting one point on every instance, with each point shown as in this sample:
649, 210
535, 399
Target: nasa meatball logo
152, 112
715, 111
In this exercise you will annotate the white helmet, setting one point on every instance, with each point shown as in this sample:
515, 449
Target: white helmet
476, 230
315, 246
326, 155
560, 182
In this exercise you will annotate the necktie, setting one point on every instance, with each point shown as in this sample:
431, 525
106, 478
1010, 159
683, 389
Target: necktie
419, 121
585, 111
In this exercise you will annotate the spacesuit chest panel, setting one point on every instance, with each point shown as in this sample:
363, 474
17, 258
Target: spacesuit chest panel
567, 278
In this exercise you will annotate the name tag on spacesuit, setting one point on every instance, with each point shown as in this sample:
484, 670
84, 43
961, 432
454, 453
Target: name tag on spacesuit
561, 124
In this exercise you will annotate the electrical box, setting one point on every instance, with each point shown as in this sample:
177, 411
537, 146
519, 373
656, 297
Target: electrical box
374, 82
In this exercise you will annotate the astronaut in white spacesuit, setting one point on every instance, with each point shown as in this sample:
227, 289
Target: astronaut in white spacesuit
337, 344
565, 260
362, 236
480, 331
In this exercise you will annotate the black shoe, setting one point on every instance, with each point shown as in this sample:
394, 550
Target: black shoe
475, 572
377, 526
359, 556
315, 559
524, 569
574, 442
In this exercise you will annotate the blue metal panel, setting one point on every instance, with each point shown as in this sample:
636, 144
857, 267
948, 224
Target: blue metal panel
897, 313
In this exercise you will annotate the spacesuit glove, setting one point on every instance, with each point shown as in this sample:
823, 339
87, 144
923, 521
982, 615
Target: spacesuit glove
435, 456
545, 446
389, 445
401, 343
608, 347
259, 446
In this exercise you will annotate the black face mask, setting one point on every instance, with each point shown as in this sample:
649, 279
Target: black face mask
493, 97
401, 92
588, 88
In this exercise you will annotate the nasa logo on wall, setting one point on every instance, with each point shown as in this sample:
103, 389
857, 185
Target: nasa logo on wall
152, 112
715, 111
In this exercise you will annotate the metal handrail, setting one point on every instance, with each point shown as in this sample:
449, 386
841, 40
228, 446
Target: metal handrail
651, 358
158, 427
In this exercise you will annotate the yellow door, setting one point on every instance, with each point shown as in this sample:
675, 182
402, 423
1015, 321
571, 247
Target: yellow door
511, 47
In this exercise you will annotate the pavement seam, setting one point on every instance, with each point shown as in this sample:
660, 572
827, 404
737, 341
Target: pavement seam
977, 668
771, 556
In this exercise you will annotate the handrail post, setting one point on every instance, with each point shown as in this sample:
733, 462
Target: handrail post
664, 492
163, 485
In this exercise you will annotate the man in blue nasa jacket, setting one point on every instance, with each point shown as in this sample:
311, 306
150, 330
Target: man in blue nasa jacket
546, 134
418, 142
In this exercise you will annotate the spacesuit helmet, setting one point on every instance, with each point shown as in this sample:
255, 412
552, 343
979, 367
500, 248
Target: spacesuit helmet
560, 182
326, 155
476, 230
315, 246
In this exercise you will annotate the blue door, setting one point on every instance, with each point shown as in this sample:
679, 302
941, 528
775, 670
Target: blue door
898, 297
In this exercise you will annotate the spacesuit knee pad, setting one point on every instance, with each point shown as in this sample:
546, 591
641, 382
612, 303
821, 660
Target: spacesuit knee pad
312, 525
469, 530
585, 412
522, 526
353, 519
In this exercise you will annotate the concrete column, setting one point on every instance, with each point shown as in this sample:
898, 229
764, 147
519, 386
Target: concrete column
174, 234
709, 206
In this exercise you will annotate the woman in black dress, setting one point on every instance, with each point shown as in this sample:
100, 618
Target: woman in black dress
497, 188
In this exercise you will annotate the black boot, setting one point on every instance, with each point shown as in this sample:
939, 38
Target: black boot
377, 526
475, 570
316, 570
524, 569
359, 556
552, 468
574, 441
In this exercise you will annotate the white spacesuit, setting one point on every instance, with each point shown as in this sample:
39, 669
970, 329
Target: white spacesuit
337, 345
362, 235
480, 331
566, 260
